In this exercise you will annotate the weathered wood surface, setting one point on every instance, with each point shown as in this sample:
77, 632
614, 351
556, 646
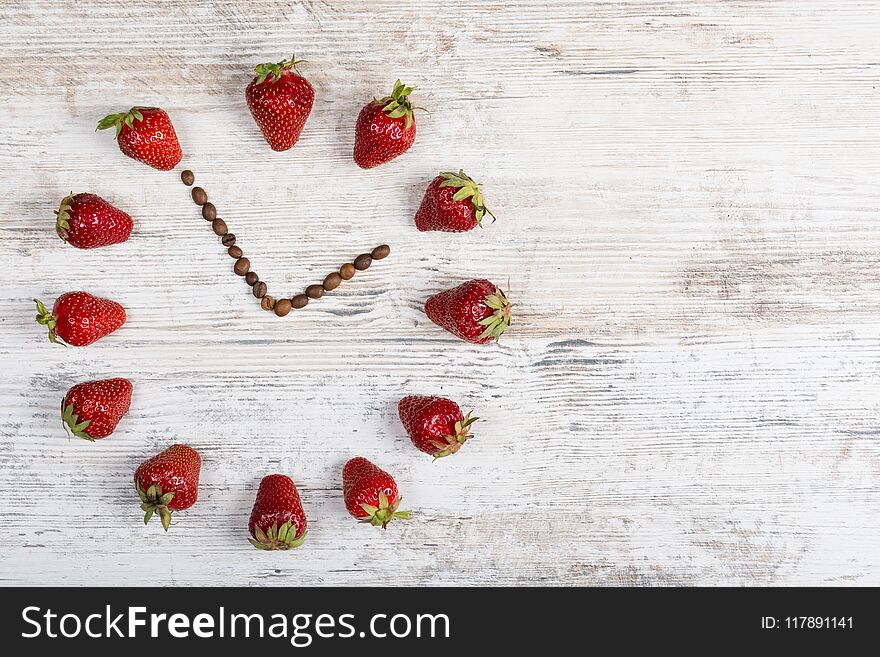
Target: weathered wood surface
688, 202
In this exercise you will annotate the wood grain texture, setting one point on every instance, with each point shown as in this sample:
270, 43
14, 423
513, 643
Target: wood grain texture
688, 199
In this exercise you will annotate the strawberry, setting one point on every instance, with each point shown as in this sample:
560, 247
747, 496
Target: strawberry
145, 134
92, 410
277, 520
168, 482
435, 425
385, 128
79, 319
280, 100
371, 493
476, 311
87, 221
453, 203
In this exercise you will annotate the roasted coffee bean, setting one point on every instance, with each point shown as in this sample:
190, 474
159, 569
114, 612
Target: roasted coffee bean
200, 196
235, 251
299, 301
346, 271
315, 291
187, 177
219, 227
259, 289
228, 239
251, 278
363, 261
332, 281
381, 251
241, 266
267, 302
282, 307
209, 212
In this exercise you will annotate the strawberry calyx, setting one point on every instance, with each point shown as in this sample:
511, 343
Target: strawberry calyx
154, 501
62, 217
397, 104
116, 120
277, 538
384, 513
47, 319
498, 322
275, 71
467, 188
72, 425
453, 442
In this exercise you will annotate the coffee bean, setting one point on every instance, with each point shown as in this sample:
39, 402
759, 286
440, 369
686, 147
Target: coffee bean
235, 251
219, 227
251, 278
332, 281
299, 301
267, 302
260, 289
381, 251
282, 307
363, 261
315, 291
200, 196
241, 266
228, 239
209, 212
346, 271
187, 177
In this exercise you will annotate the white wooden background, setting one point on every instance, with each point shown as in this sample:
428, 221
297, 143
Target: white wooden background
687, 197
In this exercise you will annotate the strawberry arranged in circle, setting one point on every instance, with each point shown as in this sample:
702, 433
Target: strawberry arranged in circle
371, 493
476, 311
145, 134
277, 520
435, 425
453, 203
92, 410
280, 100
87, 221
168, 482
385, 128
79, 318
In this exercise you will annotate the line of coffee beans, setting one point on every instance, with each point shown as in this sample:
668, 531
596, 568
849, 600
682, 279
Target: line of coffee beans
242, 266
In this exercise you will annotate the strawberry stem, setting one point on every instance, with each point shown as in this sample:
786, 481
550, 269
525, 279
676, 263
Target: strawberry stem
62, 217
116, 120
384, 513
72, 425
275, 71
47, 319
397, 104
153, 501
499, 321
467, 188
453, 442
277, 538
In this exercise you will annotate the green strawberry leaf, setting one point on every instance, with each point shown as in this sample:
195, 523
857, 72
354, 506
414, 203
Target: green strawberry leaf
467, 188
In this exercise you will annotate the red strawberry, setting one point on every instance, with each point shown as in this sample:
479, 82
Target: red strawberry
280, 102
79, 319
477, 311
385, 128
435, 425
145, 134
453, 203
371, 493
277, 520
168, 482
92, 410
87, 221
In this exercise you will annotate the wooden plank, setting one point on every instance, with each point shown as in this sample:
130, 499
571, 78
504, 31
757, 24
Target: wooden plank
687, 196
